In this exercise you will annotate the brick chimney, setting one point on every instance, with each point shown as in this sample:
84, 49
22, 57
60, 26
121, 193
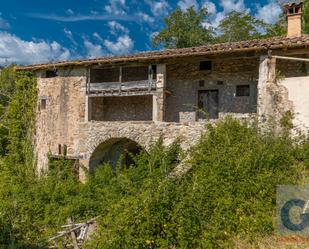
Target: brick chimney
293, 12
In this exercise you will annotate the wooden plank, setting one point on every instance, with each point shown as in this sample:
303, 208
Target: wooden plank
120, 78
88, 80
116, 94
66, 157
150, 76
125, 86
75, 227
290, 58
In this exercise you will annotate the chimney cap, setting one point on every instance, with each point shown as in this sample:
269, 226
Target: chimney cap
291, 3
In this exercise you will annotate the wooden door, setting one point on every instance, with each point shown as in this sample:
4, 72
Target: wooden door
208, 104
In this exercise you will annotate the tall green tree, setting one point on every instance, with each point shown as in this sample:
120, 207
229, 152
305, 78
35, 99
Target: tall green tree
279, 28
184, 29
306, 17
7, 89
237, 26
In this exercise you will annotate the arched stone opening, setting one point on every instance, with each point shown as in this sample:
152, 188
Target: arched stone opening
112, 150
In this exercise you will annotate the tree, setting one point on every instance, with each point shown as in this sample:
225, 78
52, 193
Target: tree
237, 26
184, 29
306, 17
7, 89
279, 28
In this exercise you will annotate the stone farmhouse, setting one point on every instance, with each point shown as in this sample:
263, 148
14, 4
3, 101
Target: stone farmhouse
94, 110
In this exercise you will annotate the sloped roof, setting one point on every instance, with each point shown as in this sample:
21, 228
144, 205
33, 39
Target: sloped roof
215, 49
292, 2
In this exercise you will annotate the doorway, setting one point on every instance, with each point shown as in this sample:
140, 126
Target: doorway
208, 104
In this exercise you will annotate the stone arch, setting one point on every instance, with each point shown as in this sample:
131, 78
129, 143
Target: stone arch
112, 150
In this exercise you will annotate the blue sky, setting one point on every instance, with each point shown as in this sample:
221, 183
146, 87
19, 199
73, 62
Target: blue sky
39, 31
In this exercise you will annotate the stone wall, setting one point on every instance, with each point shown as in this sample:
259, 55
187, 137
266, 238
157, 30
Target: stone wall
172, 108
183, 81
298, 92
134, 108
65, 108
283, 91
93, 133
65, 120
287, 68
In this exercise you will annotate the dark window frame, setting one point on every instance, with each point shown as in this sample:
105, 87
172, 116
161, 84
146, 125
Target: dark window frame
206, 65
43, 104
243, 90
51, 73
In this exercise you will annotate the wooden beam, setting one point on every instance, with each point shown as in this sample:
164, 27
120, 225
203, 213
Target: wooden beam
125, 86
120, 78
150, 77
290, 58
66, 157
121, 94
73, 235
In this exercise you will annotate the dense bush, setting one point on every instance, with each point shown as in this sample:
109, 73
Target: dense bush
228, 194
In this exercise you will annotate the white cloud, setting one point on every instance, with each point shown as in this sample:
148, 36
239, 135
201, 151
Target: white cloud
230, 5
97, 36
145, 17
69, 12
153, 34
15, 50
215, 20
79, 18
115, 27
123, 45
270, 12
159, 7
3, 23
185, 4
218, 18
211, 7
116, 7
227, 6
93, 50
69, 35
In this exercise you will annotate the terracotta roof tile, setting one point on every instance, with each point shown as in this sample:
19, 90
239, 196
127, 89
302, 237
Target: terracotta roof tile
235, 47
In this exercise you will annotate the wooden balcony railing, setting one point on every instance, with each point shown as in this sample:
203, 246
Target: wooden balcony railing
121, 88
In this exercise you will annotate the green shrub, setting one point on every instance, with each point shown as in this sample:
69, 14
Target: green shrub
229, 193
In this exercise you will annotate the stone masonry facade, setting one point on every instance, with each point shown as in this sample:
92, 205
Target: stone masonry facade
68, 117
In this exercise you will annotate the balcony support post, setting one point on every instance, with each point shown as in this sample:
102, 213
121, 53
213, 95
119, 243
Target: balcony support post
159, 95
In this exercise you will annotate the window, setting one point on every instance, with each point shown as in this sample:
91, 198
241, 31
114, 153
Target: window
242, 90
104, 75
65, 149
202, 83
154, 71
205, 65
43, 103
294, 10
51, 73
220, 83
135, 73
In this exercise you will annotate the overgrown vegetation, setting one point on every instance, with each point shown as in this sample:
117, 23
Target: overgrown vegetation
228, 195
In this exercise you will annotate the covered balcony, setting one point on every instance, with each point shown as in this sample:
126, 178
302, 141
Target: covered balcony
122, 81
126, 93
